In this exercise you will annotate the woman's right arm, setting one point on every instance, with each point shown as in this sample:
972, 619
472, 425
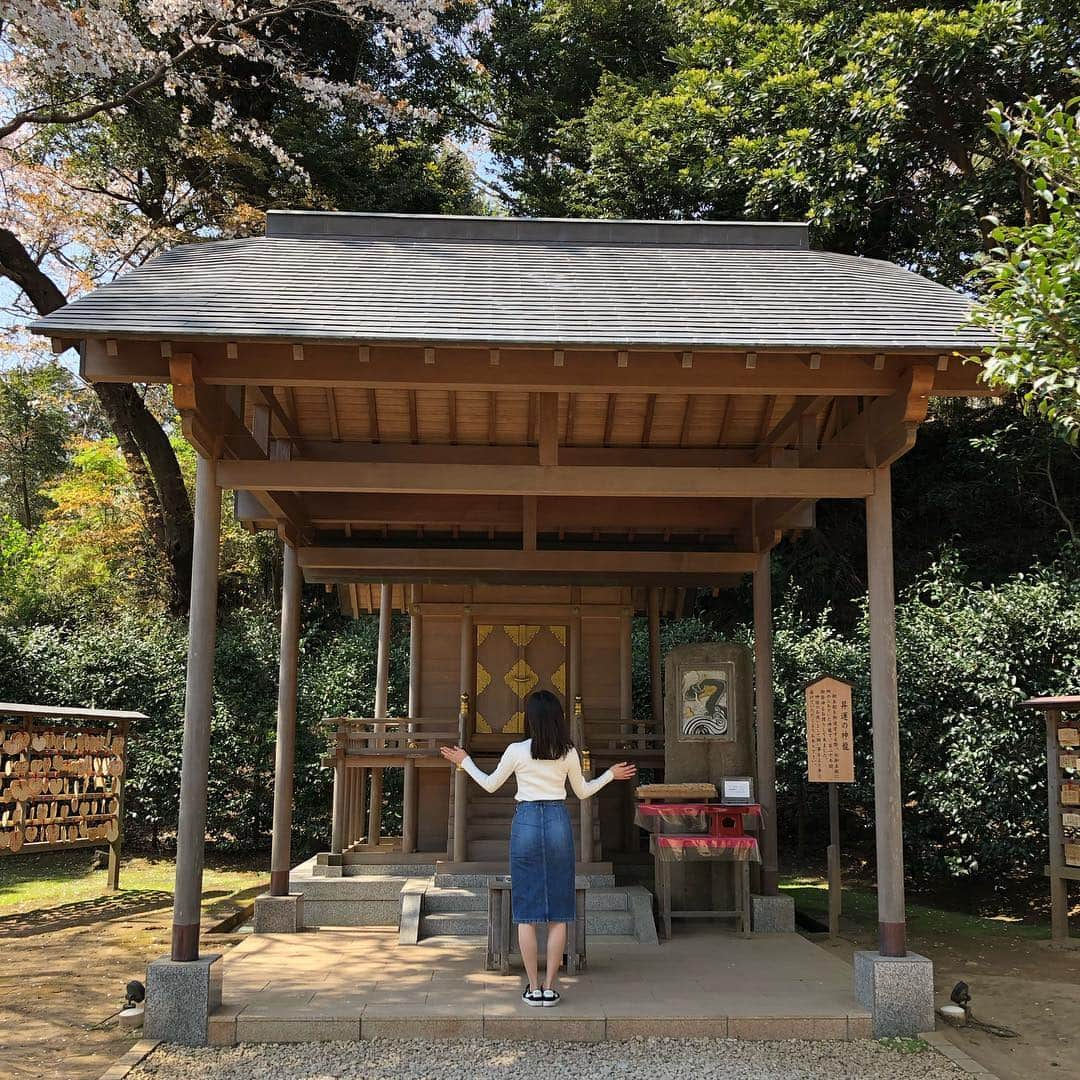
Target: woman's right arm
491, 782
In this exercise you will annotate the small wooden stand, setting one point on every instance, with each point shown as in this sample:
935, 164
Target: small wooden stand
1062, 778
500, 940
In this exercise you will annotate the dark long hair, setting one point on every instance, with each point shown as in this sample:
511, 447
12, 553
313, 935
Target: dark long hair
546, 725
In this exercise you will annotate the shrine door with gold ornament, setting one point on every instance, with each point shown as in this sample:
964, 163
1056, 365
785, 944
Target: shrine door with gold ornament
511, 662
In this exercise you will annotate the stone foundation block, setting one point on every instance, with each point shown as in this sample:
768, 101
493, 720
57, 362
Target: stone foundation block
279, 914
898, 991
772, 914
180, 996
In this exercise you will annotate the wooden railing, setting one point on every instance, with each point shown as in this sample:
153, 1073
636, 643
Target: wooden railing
360, 748
639, 741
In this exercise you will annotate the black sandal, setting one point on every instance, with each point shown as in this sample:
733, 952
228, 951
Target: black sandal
535, 998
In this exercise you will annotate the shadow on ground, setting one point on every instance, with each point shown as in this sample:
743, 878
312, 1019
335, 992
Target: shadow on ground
121, 905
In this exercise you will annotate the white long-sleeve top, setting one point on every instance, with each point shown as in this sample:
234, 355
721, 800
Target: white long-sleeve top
536, 779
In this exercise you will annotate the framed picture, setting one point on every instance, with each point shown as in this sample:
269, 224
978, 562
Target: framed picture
707, 702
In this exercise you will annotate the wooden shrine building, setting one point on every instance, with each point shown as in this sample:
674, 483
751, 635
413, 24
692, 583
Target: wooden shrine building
521, 432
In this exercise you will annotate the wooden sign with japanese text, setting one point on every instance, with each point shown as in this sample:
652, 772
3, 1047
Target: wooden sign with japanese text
830, 749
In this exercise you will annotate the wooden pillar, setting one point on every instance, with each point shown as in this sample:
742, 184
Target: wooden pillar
409, 806
1059, 900
764, 725
285, 750
467, 675
382, 679
338, 825
889, 839
626, 712
655, 678
576, 714
198, 706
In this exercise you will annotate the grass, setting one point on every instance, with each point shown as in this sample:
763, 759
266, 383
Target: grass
905, 1045
35, 881
860, 906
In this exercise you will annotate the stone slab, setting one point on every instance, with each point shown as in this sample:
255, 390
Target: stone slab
279, 914
180, 996
351, 913
772, 914
898, 991
305, 1029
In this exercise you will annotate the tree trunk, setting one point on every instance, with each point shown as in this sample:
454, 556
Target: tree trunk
150, 458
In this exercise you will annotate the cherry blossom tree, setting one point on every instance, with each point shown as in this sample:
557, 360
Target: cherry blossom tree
131, 125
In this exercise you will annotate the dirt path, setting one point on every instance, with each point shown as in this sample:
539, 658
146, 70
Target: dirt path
1017, 983
63, 976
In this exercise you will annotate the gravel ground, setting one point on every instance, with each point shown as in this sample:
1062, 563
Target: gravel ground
648, 1059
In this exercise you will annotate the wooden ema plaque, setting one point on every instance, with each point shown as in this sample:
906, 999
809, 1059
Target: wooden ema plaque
830, 753
59, 787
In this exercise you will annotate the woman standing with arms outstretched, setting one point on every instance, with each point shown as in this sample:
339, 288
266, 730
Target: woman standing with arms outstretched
541, 841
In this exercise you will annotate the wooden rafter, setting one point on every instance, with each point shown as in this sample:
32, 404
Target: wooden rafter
373, 415
332, 413
609, 418
646, 427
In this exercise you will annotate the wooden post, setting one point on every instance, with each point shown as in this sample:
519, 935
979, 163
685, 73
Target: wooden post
466, 678
1059, 906
409, 805
382, 678
835, 886
577, 721
626, 711
115, 847
655, 684
198, 706
337, 817
461, 780
764, 727
889, 839
285, 751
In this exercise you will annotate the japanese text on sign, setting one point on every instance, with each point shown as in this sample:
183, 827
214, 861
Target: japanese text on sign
829, 747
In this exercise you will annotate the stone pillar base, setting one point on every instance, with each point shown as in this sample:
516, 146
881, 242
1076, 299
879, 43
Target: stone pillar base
897, 990
180, 996
328, 864
279, 914
772, 914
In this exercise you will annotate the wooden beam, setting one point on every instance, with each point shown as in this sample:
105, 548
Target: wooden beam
787, 428
503, 512
331, 411
782, 372
528, 523
414, 425
646, 427
451, 405
373, 416
609, 419
886, 428
377, 560
548, 434
641, 482
687, 417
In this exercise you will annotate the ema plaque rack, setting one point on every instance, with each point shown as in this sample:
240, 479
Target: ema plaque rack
62, 779
1062, 716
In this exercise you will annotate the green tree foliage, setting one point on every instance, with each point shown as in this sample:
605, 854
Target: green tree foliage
35, 424
867, 119
1033, 274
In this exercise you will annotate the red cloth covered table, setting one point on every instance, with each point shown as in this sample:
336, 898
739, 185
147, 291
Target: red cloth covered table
695, 818
707, 848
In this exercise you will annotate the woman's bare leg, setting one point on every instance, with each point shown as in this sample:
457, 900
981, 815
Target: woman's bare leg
527, 944
556, 946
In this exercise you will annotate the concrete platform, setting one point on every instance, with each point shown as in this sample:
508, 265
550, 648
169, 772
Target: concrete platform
358, 983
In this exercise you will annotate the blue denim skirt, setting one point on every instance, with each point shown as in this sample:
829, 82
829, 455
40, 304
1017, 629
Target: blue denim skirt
542, 863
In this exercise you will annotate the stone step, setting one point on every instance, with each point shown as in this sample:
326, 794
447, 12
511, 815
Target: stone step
475, 923
366, 887
476, 899
598, 939
402, 870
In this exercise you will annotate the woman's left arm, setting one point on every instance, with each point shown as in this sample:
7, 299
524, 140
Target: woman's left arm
585, 789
